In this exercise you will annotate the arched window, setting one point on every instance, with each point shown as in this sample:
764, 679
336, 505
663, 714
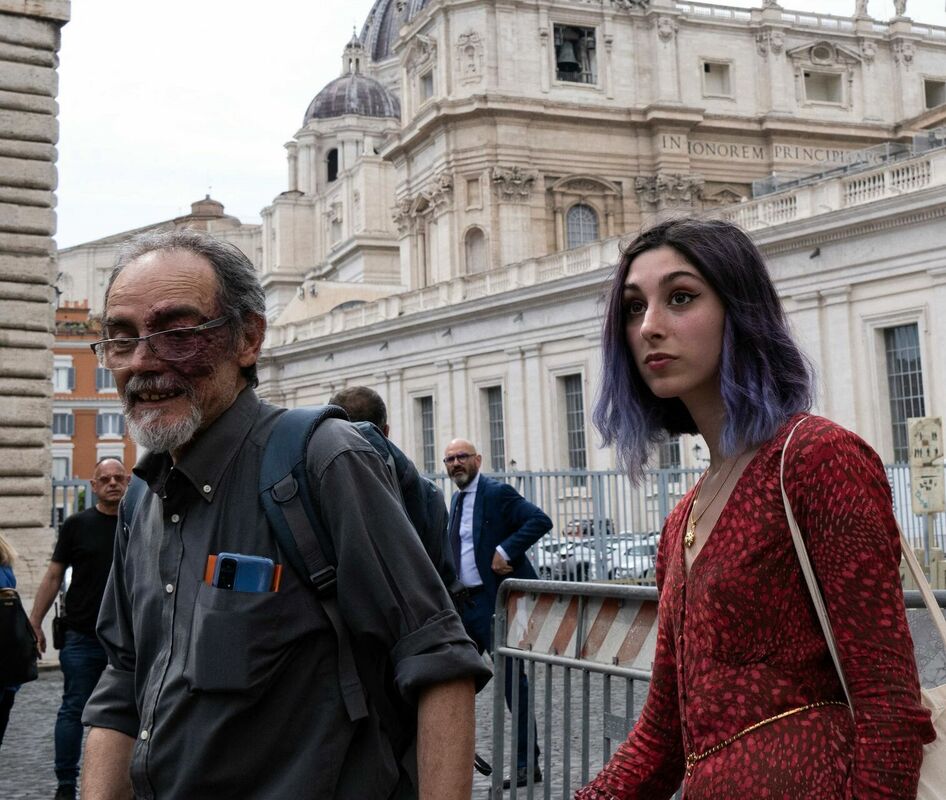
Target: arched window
475, 243
581, 225
331, 164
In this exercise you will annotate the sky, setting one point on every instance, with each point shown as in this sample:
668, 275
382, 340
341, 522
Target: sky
163, 103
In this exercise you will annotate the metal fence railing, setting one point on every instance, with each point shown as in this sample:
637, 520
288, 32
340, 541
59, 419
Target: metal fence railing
587, 651
69, 496
605, 528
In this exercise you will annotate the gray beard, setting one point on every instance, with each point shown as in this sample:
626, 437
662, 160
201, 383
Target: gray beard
150, 431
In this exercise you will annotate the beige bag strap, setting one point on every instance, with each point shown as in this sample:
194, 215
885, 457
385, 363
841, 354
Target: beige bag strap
913, 565
809, 573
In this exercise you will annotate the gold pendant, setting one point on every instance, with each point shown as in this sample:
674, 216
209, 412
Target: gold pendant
690, 536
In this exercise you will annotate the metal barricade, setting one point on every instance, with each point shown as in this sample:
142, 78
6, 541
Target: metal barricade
557, 629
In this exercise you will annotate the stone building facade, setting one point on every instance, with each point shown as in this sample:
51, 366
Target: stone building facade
456, 197
29, 44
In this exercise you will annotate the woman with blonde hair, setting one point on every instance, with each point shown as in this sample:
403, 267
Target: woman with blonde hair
745, 700
7, 581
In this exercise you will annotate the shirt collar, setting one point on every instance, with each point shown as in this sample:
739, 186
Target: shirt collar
204, 462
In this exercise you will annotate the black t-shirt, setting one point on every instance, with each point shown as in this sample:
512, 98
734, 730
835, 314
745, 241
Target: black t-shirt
85, 543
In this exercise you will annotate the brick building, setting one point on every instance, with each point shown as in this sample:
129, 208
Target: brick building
87, 423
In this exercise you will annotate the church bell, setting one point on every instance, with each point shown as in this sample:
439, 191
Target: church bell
566, 61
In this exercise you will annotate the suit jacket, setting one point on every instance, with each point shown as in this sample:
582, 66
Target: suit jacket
503, 517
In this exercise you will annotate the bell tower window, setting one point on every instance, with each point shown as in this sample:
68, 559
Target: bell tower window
331, 165
575, 51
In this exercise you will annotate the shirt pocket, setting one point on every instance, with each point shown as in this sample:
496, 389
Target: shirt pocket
237, 639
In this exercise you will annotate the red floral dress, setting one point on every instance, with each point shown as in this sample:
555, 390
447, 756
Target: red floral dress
738, 642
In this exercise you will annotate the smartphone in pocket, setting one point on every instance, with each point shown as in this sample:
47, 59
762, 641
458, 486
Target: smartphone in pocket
243, 573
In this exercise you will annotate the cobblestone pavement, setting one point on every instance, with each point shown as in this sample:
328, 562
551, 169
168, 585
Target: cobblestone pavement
26, 757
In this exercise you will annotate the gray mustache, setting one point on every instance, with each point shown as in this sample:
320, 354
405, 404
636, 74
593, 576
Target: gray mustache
144, 384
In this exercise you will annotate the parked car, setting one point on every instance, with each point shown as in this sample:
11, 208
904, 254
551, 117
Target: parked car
627, 556
585, 527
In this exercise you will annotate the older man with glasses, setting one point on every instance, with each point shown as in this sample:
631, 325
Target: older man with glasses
491, 528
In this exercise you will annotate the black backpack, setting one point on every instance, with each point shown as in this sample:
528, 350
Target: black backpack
17, 642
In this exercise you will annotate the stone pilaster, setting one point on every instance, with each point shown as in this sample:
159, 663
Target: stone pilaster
28, 136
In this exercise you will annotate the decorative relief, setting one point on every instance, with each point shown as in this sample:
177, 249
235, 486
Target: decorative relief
421, 52
868, 51
470, 57
513, 183
770, 41
439, 192
669, 188
334, 212
903, 53
402, 216
666, 28
900, 7
631, 5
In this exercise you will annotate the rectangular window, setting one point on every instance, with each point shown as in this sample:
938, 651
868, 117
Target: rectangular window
62, 469
104, 380
64, 379
575, 422
823, 87
428, 437
935, 93
575, 54
64, 423
716, 79
109, 423
670, 457
904, 382
426, 86
497, 428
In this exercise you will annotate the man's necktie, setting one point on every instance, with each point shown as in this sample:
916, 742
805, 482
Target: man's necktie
455, 531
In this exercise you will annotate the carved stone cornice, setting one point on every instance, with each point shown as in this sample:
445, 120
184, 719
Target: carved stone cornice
669, 188
770, 41
666, 27
630, 5
439, 192
903, 52
421, 52
513, 184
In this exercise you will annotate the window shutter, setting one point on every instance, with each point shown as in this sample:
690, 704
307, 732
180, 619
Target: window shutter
70, 425
121, 424
98, 425
72, 378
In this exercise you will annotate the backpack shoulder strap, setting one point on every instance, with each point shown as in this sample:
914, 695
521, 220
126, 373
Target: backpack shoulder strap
383, 446
290, 510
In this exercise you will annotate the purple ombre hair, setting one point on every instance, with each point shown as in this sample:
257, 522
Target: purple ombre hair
764, 377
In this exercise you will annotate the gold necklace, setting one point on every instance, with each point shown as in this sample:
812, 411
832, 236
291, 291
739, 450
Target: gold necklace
690, 536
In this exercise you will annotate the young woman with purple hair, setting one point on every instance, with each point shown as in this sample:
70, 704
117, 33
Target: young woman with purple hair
745, 700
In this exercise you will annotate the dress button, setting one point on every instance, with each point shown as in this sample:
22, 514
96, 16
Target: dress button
175, 517
169, 588
144, 736
206, 488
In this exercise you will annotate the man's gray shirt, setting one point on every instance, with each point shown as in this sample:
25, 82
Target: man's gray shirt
236, 694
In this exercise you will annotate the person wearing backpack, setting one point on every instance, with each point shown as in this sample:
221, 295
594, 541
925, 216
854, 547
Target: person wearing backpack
230, 669
422, 499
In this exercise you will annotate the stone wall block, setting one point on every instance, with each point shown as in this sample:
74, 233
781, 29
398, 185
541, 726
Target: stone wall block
33, 292
22, 512
30, 31
11, 100
19, 362
24, 244
24, 437
29, 126
28, 219
29, 79
19, 148
21, 268
25, 412
26, 197
30, 340
27, 174
34, 547
29, 316
26, 55
22, 487
29, 387
24, 462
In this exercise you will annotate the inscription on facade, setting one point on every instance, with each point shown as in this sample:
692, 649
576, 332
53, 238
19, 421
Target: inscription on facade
677, 143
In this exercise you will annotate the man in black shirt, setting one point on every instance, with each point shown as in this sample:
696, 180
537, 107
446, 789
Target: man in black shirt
86, 542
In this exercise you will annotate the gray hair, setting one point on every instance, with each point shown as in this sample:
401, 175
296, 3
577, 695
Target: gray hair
239, 291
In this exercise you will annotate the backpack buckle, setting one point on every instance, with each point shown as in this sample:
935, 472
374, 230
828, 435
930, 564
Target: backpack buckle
324, 581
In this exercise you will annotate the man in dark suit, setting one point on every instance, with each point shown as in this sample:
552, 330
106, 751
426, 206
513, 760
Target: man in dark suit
491, 528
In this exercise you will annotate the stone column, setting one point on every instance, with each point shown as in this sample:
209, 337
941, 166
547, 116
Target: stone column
28, 135
842, 403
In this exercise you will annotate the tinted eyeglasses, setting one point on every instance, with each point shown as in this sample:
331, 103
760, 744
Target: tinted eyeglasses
176, 344
460, 458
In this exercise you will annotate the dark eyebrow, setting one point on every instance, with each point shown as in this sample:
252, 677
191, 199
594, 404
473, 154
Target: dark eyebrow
164, 316
670, 277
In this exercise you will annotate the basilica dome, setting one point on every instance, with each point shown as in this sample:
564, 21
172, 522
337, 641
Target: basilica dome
353, 93
384, 20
